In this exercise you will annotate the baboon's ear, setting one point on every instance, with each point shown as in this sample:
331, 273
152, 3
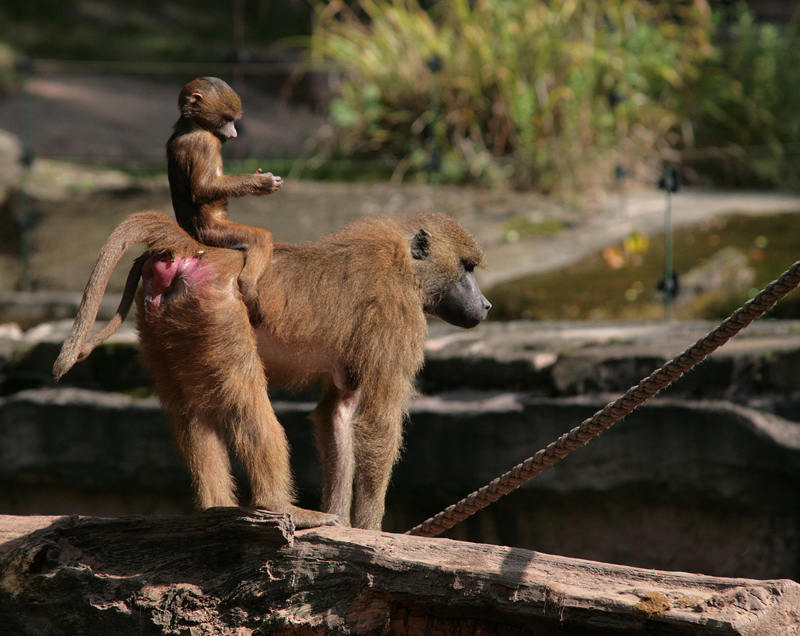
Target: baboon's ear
420, 244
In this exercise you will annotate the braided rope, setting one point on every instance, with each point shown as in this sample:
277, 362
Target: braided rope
614, 411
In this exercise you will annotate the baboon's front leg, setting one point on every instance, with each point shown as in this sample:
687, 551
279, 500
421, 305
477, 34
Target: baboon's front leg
377, 439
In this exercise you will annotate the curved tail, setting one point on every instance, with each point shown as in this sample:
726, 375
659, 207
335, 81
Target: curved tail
161, 235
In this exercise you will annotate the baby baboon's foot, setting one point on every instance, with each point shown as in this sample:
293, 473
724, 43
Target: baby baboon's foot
250, 298
254, 313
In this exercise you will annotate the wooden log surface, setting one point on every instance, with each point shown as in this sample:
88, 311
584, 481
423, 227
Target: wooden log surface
240, 572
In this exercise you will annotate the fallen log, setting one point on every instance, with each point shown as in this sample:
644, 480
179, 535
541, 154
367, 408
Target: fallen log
239, 571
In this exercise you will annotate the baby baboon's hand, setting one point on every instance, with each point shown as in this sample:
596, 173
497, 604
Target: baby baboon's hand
268, 182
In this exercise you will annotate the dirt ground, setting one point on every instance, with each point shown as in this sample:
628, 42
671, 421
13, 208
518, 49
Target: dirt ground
69, 230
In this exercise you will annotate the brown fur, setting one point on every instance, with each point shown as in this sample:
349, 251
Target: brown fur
200, 191
347, 310
144, 227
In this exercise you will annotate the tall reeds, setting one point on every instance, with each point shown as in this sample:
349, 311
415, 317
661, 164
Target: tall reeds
540, 93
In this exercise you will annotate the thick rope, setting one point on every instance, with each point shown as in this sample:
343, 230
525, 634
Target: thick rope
614, 411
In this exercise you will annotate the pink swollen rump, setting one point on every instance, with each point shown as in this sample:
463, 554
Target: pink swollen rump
167, 274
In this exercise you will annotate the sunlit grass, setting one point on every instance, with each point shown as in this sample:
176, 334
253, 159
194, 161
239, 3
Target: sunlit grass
529, 93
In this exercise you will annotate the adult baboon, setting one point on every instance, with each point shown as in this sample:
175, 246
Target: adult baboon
346, 311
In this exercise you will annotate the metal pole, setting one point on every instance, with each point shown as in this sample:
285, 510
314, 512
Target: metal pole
670, 183
669, 274
24, 217
435, 64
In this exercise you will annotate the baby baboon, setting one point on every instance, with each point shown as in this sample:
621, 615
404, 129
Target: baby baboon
200, 191
346, 311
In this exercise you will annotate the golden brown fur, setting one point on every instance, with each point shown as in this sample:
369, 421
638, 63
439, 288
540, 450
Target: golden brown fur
346, 311
143, 227
200, 191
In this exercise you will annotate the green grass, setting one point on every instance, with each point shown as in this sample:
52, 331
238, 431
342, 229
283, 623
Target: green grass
523, 92
592, 289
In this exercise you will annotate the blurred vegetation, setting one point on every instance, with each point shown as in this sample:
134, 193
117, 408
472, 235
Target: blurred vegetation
534, 92
549, 94
146, 30
621, 281
745, 103
556, 94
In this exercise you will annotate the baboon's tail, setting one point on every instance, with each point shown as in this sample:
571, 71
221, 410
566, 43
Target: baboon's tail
161, 235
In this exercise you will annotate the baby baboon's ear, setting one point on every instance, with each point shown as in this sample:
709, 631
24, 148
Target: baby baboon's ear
420, 244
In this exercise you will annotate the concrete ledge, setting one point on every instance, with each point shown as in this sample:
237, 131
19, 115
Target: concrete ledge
761, 365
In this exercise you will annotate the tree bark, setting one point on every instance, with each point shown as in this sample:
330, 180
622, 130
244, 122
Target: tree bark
240, 572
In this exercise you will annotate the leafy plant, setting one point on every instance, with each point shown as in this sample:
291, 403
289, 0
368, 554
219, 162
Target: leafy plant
551, 94
744, 103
